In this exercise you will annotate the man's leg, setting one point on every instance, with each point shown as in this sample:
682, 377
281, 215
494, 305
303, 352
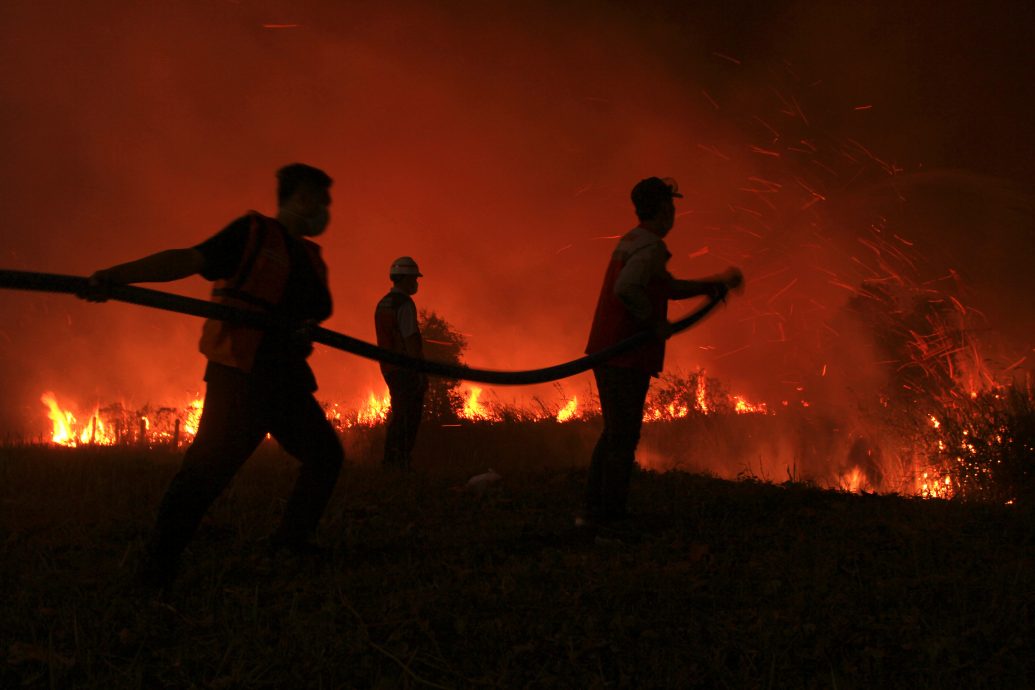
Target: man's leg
404, 419
301, 427
594, 484
414, 412
394, 426
228, 432
625, 391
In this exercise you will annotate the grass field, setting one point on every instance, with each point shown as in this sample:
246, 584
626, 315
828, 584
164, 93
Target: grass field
716, 584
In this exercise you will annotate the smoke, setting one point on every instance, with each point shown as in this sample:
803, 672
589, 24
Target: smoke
496, 144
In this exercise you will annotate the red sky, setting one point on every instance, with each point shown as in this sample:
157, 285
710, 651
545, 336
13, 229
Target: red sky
496, 143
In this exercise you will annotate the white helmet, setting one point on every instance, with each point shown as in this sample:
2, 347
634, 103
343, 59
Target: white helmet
404, 266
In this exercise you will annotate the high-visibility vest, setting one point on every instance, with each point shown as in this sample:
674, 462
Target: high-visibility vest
612, 322
258, 285
386, 323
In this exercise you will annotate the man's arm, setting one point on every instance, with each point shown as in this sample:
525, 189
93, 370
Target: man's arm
685, 289
631, 284
412, 346
410, 330
215, 258
161, 267
412, 343
631, 288
171, 264
715, 287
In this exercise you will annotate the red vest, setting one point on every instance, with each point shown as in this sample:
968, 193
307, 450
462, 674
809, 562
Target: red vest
386, 323
612, 322
258, 285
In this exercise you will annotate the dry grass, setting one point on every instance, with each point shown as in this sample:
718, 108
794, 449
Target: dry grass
718, 584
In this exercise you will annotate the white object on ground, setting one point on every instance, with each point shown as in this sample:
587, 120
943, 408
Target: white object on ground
480, 482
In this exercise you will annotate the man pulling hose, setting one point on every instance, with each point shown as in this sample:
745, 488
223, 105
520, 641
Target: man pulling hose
258, 380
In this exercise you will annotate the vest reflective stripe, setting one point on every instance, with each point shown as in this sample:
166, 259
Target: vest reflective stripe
612, 322
258, 285
386, 323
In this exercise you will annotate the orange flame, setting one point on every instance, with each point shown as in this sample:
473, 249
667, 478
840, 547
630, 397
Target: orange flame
854, 481
665, 412
702, 395
474, 410
65, 426
696, 396
742, 406
568, 412
190, 424
376, 409
928, 486
61, 419
102, 428
96, 432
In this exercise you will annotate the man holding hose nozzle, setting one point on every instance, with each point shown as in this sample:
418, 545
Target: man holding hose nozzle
258, 381
634, 298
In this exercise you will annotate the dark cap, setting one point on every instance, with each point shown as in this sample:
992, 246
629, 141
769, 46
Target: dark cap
650, 192
656, 187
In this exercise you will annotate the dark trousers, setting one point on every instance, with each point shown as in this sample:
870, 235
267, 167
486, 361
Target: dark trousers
623, 392
407, 390
239, 411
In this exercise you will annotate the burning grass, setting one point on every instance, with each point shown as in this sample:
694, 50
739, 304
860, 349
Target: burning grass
115, 424
718, 584
976, 447
986, 447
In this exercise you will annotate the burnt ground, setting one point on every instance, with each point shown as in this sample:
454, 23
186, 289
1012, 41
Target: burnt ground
715, 584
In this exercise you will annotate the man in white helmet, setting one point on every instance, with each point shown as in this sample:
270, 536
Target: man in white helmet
397, 330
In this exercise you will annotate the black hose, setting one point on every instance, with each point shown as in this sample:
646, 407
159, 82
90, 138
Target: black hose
76, 285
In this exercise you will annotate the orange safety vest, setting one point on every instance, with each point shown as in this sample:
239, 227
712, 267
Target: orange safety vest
386, 323
258, 285
612, 322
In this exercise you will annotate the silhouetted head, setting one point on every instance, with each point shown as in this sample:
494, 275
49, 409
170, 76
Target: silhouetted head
404, 274
652, 198
303, 198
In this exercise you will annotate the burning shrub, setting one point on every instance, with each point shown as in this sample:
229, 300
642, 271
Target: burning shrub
675, 395
986, 446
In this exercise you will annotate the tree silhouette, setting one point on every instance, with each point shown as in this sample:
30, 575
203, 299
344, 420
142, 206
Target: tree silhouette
442, 343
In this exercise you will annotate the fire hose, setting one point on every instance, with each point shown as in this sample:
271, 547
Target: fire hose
155, 299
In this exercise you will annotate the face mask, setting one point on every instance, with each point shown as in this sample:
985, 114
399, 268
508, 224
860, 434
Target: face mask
316, 224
